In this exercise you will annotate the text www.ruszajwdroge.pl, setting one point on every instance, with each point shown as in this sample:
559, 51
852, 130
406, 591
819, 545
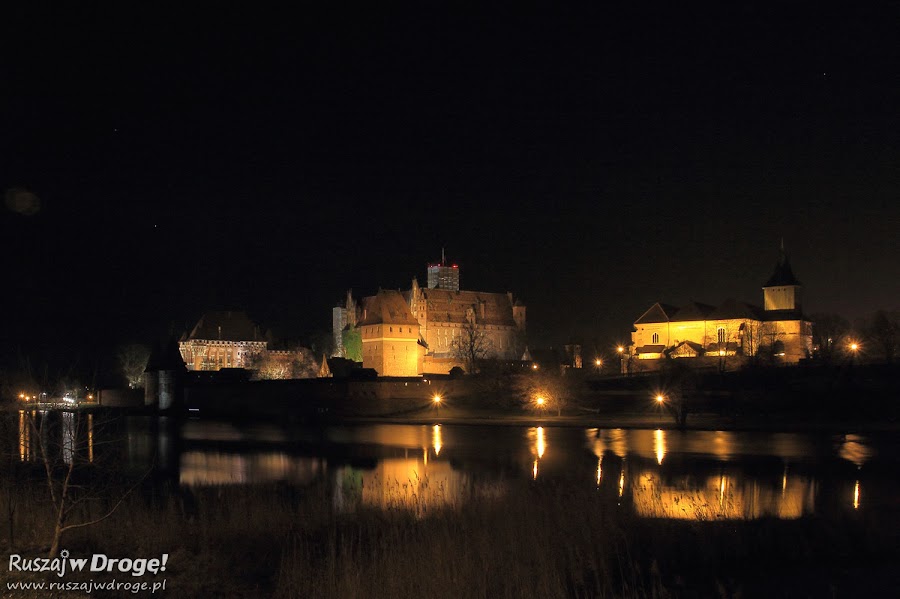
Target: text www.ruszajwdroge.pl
98, 562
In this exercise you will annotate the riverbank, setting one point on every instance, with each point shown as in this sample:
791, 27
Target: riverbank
703, 421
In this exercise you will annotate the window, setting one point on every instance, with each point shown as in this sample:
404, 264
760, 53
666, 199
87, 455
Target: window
721, 334
655, 338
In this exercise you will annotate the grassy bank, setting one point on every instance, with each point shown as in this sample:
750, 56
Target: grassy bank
524, 540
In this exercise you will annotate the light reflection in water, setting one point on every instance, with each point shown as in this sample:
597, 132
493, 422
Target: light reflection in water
622, 480
199, 468
405, 483
436, 439
708, 474
854, 449
90, 438
539, 447
68, 435
24, 437
541, 442
720, 497
659, 445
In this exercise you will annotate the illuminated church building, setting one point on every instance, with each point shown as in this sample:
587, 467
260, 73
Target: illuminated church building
732, 329
414, 332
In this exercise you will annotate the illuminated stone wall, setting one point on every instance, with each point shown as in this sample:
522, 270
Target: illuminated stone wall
201, 354
391, 350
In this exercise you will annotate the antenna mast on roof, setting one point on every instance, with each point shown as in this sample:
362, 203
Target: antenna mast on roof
443, 258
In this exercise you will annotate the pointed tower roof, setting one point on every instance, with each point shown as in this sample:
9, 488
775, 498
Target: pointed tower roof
783, 274
324, 370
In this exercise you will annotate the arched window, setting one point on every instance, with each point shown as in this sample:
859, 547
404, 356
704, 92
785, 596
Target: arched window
655, 338
721, 334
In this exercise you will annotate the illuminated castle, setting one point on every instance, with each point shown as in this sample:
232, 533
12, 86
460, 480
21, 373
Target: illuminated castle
381, 330
779, 329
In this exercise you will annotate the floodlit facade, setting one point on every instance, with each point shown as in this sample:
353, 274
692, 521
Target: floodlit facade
732, 329
439, 315
224, 339
390, 336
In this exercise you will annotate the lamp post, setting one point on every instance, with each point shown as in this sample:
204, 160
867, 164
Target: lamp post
621, 351
437, 404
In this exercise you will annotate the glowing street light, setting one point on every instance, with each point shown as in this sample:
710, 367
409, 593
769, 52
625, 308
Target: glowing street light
660, 398
540, 401
436, 400
598, 362
854, 347
620, 349
534, 366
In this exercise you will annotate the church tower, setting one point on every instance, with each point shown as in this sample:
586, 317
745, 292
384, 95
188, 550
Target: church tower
782, 290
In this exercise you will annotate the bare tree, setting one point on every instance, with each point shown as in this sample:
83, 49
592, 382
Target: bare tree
133, 361
829, 335
677, 389
471, 345
883, 332
295, 364
543, 390
67, 455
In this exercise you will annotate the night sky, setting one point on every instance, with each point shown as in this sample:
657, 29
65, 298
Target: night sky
590, 162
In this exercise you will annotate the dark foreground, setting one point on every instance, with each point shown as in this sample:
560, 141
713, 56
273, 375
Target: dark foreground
549, 541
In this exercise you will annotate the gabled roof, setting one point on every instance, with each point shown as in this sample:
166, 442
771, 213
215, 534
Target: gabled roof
226, 326
692, 311
388, 307
658, 312
446, 305
650, 349
733, 309
686, 348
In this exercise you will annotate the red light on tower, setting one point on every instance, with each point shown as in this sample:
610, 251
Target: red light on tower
455, 266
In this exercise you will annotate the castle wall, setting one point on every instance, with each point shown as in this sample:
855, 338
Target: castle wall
391, 350
201, 354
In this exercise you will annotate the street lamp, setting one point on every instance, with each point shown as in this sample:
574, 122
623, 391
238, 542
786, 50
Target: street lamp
621, 351
437, 404
660, 398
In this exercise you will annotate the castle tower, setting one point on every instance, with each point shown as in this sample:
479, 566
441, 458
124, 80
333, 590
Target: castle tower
782, 290
443, 275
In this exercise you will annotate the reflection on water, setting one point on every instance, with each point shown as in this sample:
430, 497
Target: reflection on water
400, 483
63, 435
697, 475
215, 468
24, 437
437, 441
726, 496
854, 449
659, 445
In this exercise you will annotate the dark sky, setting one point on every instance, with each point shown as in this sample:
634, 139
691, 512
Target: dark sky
590, 162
